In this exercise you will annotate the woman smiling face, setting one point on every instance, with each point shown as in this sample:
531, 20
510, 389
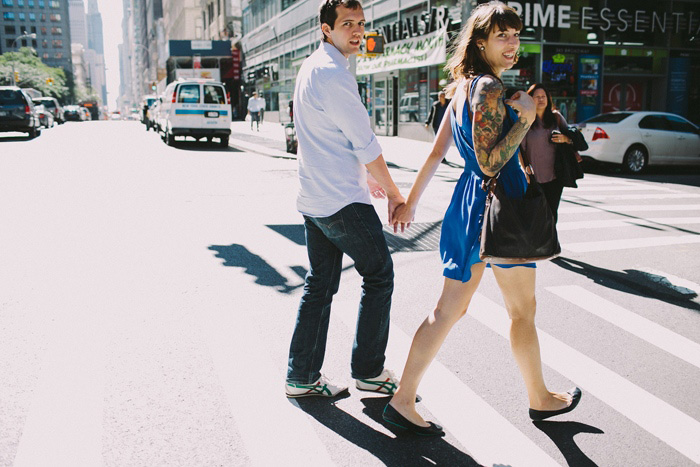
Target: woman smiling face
500, 49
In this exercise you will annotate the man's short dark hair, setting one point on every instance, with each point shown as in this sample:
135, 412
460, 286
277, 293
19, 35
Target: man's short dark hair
328, 14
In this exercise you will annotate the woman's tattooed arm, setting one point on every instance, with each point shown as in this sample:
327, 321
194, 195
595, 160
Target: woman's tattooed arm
489, 113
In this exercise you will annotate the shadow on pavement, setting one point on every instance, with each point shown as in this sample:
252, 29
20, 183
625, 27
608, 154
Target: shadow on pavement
8, 139
562, 434
633, 281
201, 146
239, 256
404, 450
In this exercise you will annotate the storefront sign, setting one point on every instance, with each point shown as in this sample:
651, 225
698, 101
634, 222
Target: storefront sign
409, 53
605, 19
428, 22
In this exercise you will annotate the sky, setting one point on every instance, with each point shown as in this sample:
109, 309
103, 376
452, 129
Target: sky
111, 11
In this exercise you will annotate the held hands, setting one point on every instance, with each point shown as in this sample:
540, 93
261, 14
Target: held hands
375, 189
396, 204
403, 215
524, 105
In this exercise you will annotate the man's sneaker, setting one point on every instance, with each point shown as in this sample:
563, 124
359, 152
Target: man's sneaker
385, 383
322, 387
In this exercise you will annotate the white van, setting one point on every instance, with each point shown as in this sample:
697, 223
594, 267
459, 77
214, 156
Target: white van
197, 108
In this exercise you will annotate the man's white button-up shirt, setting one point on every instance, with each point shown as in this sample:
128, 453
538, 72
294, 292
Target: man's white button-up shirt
335, 139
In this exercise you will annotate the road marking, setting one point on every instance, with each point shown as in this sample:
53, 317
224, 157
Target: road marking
629, 208
659, 418
489, 437
570, 195
628, 243
675, 344
628, 187
604, 224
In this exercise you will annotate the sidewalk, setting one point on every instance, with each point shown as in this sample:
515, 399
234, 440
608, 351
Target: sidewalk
270, 141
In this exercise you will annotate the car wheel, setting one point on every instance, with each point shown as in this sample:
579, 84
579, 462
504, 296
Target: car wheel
169, 138
224, 142
635, 160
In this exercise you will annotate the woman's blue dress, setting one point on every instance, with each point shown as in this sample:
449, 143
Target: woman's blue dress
461, 227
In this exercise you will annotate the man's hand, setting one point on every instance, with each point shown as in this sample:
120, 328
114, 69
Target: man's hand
403, 215
394, 203
375, 189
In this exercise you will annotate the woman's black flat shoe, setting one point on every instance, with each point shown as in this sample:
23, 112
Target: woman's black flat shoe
539, 415
391, 415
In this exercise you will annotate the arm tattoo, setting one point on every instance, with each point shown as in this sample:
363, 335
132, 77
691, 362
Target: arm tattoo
489, 114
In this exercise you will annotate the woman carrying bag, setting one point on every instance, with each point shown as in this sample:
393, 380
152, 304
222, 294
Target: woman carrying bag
487, 131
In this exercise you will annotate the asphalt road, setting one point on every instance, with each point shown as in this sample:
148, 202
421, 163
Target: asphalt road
148, 296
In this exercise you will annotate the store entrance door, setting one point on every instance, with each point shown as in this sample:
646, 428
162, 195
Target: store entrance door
384, 103
622, 93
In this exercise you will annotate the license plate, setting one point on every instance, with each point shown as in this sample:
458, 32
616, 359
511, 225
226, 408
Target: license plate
212, 114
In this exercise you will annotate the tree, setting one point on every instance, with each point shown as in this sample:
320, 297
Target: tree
33, 73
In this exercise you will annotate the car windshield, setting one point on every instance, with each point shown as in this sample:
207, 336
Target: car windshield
45, 102
9, 96
189, 94
608, 118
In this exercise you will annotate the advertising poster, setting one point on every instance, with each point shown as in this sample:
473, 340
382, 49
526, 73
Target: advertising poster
589, 89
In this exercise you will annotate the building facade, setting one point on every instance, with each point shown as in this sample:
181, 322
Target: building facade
48, 19
594, 55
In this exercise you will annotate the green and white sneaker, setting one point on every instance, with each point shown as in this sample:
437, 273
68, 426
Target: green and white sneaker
320, 388
385, 383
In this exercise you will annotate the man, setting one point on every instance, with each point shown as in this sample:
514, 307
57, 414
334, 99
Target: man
437, 111
336, 150
255, 106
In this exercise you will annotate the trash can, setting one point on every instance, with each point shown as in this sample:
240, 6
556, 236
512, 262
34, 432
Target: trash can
291, 137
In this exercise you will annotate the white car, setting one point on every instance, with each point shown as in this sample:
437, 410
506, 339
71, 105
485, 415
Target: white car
195, 107
639, 139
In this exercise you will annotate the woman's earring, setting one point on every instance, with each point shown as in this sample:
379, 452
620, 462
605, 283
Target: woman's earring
482, 48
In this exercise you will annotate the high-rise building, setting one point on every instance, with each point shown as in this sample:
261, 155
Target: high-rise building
94, 28
48, 19
95, 52
78, 22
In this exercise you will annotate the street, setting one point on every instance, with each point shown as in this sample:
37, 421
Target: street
149, 294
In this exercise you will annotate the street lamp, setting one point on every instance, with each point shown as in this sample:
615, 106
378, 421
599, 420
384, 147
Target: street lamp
23, 36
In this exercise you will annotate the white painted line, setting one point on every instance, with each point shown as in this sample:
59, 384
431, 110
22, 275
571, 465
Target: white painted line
570, 195
629, 208
629, 187
659, 418
669, 341
489, 437
64, 423
629, 243
277, 427
614, 223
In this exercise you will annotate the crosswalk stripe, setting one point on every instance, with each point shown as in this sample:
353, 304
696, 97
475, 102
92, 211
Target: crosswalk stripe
487, 435
628, 243
611, 223
657, 335
628, 208
570, 195
659, 418
610, 187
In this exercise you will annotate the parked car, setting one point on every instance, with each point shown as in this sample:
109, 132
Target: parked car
45, 117
639, 139
52, 105
72, 113
198, 108
17, 112
154, 116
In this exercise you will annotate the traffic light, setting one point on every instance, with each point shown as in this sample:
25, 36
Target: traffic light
153, 86
49, 81
374, 44
16, 76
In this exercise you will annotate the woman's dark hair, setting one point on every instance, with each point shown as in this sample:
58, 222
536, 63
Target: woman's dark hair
467, 60
549, 120
327, 11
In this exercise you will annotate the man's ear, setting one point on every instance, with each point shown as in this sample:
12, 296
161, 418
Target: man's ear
326, 29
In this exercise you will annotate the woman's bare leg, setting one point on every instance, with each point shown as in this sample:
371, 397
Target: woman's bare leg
518, 288
429, 337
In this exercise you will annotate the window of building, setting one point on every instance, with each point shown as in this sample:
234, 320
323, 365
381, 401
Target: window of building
8, 16
32, 16
8, 3
20, 2
57, 43
22, 16
30, 3
56, 30
8, 43
43, 30
55, 4
43, 16
41, 4
45, 44
55, 17
33, 29
58, 55
45, 55
10, 30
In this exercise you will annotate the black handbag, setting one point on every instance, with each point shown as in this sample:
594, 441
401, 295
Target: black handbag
566, 167
517, 230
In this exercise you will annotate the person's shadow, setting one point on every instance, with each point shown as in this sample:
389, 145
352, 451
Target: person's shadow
562, 434
635, 282
238, 256
404, 450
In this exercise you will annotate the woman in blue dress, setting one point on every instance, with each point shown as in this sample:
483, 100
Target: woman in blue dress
487, 130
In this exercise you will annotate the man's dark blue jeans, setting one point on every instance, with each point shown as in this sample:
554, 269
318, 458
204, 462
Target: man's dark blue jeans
357, 232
